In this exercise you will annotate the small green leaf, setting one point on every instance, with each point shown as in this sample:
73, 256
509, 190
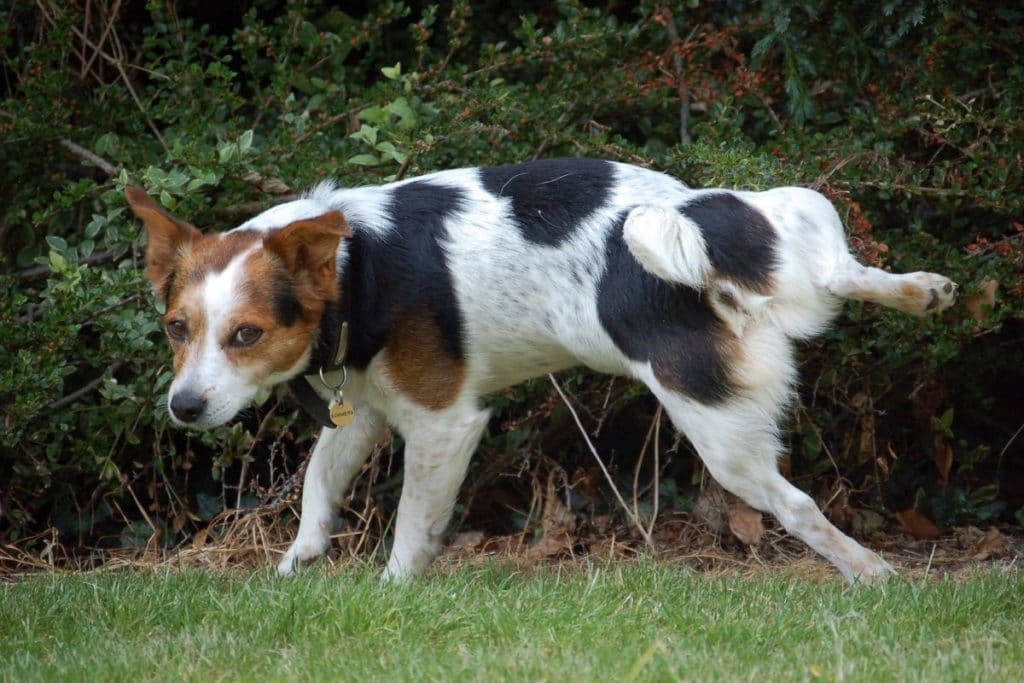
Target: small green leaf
58, 263
56, 243
95, 225
392, 72
245, 141
364, 160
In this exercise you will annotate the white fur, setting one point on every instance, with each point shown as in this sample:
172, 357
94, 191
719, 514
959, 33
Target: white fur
668, 245
530, 308
207, 372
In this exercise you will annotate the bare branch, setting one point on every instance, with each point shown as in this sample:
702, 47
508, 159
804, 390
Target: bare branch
90, 156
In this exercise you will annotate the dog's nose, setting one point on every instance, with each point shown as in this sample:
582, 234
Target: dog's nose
187, 406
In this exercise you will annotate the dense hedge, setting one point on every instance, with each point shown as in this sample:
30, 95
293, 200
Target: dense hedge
906, 113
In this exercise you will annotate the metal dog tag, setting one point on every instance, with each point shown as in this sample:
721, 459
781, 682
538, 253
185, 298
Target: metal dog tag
342, 412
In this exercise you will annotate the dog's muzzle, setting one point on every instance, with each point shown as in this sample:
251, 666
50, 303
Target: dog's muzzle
187, 406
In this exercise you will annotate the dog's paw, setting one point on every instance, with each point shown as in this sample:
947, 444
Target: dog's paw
930, 293
941, 293
872, 572
298, 554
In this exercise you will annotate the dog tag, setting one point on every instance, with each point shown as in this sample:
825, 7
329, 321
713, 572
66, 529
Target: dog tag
342, 412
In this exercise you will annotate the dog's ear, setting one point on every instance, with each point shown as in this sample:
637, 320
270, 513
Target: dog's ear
167, 237
309, 248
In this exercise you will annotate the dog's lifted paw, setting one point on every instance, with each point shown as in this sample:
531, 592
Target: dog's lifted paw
936, 293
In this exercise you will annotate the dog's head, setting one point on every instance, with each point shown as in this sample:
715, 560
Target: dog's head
243, 308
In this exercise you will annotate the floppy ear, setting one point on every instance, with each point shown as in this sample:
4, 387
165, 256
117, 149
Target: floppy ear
309, 248
166, 234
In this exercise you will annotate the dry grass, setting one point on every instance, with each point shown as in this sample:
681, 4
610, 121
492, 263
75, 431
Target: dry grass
253, 539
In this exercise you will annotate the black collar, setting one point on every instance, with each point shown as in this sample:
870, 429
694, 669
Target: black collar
328, 355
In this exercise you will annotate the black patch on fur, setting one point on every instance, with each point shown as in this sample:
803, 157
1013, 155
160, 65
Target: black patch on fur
668, 325
741, 241
551, 197
403, 271
287, 307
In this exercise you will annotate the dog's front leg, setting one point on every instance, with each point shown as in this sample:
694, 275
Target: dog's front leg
337, 456
439, 445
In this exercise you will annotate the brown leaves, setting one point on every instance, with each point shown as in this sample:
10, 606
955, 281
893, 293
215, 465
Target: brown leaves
981, 303
719, 510
992, 544
943, 458
745, 523
557, 523
917, 525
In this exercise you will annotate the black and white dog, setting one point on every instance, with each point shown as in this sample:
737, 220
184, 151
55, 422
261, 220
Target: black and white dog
408, 303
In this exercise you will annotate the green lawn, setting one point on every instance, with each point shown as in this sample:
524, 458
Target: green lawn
630, 621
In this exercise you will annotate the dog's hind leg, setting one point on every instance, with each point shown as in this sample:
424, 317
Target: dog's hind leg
438, 448
739, 443
918, 293
337, 456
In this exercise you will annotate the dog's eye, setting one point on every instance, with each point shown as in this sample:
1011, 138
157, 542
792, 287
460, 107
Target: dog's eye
244, 336
176, 330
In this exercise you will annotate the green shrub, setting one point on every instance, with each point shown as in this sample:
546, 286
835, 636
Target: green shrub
906, 115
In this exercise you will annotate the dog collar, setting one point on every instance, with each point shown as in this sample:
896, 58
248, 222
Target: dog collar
333, 335
302, 386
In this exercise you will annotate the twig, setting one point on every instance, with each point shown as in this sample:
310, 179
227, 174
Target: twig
248, 454
250, 208
403, 168
91, 157
999, 460
103, 38
85, 390
607, 475
36, 272
684, 93
653, 430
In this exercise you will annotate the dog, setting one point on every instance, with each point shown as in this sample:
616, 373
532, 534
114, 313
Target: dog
405, 304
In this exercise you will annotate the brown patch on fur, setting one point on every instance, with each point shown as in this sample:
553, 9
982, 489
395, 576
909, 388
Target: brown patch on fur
167, 238
309, 249
701, 366
419, 365
281, 346
727, 299
283, 288
910, 291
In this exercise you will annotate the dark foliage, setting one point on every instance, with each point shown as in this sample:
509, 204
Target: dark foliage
905, 113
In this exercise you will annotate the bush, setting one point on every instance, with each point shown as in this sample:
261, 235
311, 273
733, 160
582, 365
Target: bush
906, 115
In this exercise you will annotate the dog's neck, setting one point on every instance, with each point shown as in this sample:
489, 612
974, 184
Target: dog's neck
328, 353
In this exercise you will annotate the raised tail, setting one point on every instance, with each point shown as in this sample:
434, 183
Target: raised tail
671, 247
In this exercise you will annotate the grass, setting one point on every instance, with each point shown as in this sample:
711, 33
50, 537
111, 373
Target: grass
618, 622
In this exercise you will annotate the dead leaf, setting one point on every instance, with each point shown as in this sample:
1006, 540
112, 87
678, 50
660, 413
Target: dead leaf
712, 508
199, 540
745, 523
917, 525
943, 458
980, 304
467, 539
992, 544
557, 523
866, 522
839, 511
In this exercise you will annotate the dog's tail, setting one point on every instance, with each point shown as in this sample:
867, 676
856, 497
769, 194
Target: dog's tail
671, 247
668, 245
